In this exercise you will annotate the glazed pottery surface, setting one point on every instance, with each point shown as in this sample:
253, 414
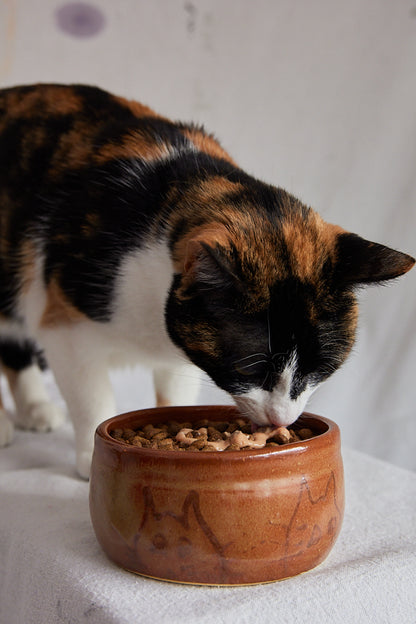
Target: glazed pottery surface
221, 518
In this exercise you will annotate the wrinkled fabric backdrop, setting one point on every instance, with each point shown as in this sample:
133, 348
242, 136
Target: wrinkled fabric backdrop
316, 97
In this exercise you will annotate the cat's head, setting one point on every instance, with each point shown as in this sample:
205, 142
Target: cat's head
263, 299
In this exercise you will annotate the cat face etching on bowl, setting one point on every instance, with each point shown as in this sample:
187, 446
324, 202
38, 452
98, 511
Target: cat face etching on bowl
168, 537
301, 533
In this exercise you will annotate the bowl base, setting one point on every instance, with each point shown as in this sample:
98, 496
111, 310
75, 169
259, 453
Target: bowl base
200, 584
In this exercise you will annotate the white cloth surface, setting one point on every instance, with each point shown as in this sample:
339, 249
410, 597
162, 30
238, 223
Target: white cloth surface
53, 571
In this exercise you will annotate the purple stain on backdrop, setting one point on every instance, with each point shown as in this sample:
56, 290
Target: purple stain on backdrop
80, 19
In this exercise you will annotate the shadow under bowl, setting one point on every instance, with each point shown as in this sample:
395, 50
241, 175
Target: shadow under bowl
217, 518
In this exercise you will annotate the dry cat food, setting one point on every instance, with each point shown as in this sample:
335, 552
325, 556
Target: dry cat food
208, 435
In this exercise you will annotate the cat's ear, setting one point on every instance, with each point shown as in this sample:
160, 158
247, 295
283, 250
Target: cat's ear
206, 258
360, 261
208, 262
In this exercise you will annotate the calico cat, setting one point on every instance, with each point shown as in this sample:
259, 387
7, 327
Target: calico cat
126, 237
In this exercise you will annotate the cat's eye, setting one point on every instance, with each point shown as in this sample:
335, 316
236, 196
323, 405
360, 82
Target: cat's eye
245, 371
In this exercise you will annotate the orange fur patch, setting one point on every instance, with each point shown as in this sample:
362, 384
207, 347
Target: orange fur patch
74, 149
91, 225
309, 244
53, 99
27, 255
62, 101
134, 145
201, 337
212, 191
58, 309
139, 110
207, 144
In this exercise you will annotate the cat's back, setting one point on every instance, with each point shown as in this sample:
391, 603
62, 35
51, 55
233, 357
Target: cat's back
53, 129
82, 102
63, 127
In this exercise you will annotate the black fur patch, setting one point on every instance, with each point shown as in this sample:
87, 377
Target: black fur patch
18, 355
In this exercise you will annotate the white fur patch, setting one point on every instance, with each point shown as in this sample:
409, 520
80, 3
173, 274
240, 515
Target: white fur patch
275, 407
33, 407
138, 321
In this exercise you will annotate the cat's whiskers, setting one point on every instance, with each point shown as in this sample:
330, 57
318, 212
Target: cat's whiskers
203, 381
242, 368
269, 333
250, 356
275, 355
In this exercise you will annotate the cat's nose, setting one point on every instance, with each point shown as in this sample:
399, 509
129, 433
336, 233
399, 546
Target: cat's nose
264, 411
281, 417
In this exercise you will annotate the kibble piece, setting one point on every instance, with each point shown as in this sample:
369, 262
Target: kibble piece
117, 433
148, 431
198, 444
155, 431
282, 435
305, 433
221, 426
160, 435
231, 428
129, 434
137, 441
166, 444
213, 434
174, 427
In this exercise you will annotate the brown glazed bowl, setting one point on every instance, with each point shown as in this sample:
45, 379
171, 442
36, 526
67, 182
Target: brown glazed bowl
218, 518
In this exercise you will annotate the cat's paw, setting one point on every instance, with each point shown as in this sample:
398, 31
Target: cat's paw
6, 429
84, 463
42, 416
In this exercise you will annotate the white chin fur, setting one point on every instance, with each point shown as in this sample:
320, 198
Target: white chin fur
272, 408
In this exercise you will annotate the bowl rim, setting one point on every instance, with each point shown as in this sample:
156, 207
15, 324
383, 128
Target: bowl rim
103, 433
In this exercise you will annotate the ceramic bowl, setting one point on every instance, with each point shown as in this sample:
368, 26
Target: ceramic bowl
218, 518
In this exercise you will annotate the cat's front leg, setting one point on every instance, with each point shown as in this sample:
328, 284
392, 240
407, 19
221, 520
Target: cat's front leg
176, 385
34, 409
81, 373
6, 427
